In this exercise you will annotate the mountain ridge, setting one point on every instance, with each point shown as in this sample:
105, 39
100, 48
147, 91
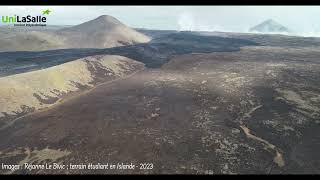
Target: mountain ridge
102, 32
269, 26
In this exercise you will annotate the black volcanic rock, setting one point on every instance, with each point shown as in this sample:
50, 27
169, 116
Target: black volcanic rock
269, 26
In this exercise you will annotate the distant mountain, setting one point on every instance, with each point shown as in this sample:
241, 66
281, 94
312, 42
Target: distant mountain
102, 32
270, 26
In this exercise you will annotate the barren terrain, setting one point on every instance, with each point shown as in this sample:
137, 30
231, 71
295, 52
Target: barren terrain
190, 103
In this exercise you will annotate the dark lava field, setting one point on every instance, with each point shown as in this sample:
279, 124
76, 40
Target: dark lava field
205, 104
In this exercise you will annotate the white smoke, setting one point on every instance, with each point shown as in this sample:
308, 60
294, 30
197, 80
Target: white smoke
186, 22
189, 22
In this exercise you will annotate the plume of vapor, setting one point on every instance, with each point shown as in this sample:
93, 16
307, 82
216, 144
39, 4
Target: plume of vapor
188, 22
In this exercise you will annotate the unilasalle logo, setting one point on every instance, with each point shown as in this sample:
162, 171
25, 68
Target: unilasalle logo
28, 20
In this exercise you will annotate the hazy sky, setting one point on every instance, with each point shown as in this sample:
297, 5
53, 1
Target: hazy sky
303, 20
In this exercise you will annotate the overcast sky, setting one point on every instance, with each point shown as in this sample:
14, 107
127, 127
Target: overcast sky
303, 20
